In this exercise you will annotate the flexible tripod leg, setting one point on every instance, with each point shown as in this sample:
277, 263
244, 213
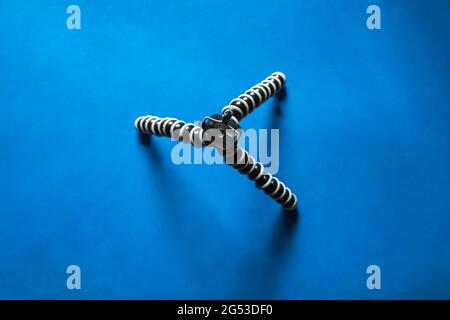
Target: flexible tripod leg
243, 162
256, 95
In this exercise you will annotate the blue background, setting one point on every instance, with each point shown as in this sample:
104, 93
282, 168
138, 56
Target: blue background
364, 142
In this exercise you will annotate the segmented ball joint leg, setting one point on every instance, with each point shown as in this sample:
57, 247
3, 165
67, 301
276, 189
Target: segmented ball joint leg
223, 131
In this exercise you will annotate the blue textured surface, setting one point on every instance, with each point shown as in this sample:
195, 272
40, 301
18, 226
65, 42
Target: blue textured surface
364, 141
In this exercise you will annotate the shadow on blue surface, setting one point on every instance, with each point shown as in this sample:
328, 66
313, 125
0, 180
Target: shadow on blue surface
166, 180
271, 257
283, 232
261, 275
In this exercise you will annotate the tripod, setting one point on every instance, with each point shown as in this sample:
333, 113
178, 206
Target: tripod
223, 131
